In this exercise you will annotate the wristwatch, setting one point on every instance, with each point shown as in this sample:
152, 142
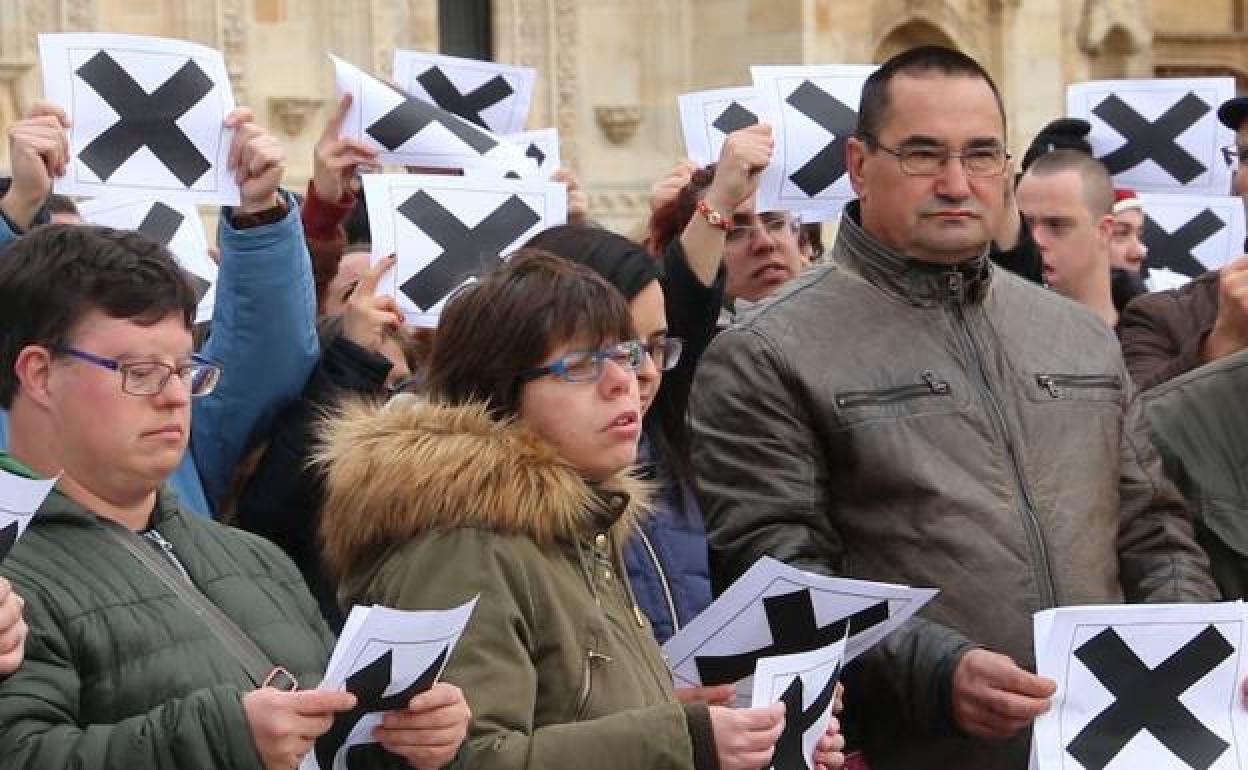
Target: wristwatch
713, 217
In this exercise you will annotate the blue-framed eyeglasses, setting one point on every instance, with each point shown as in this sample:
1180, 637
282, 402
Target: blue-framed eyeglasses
587, 365
147, 378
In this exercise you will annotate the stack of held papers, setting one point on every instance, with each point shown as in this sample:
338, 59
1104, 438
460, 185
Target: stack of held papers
1156, 686
775, 609
385, 657
20, 497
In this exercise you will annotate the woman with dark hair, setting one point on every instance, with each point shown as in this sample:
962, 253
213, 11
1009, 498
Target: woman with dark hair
510, 482
667, 558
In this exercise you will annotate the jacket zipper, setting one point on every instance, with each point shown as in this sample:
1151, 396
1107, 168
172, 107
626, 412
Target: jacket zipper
663, 583
159, 539
587, 681
1054, 383
931, 387
1031, 523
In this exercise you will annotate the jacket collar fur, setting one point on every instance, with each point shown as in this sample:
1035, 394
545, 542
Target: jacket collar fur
413, 466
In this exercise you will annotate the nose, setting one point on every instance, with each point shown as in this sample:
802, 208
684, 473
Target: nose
617, 378
177, 392
762, 239
952, 181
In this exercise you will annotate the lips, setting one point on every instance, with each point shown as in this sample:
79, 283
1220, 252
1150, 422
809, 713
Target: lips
625, 422
171, 431
773, 270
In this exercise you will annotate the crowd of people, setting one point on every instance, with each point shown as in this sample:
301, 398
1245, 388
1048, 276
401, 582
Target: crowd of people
600, 435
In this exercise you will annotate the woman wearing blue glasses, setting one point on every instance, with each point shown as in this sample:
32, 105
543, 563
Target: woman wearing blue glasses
510, 481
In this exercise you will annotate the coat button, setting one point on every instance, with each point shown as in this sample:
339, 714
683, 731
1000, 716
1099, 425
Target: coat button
600, 540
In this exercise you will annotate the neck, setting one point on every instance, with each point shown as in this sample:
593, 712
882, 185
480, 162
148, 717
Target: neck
1097, 296
36, 447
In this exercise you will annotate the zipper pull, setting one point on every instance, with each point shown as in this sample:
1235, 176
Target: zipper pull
1046, 381
938, 387
641, 621
954, 283
594, 655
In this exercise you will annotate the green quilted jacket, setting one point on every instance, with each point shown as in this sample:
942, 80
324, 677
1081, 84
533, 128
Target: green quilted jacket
118, 672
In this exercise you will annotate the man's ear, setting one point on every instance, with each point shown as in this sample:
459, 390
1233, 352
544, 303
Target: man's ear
855, 157
33, 369
1105, 231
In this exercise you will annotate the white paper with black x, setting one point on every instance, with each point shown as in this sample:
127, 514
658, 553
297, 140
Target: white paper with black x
805, 683
492, 95
147, 116
446, 231
776, 609
1160, 135
813, 111
1191, 234
177, 227
20, 497
411, 131
708, 117
1154, 686
385, 657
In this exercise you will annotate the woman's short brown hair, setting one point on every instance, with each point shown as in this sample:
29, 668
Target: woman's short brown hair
512, 319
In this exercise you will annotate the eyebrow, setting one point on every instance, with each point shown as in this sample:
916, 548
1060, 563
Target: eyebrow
920, 140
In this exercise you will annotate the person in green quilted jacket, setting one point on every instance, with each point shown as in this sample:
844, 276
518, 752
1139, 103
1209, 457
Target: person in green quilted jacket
120, 670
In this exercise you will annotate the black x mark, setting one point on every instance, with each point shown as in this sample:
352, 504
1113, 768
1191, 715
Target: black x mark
145, 120
1153, 141
369, 686
789, 753
1148, 699
466, 105
8, 536
466, 251
535, 153
828, 165
1174, 250
410, 118
791, 619
735, 117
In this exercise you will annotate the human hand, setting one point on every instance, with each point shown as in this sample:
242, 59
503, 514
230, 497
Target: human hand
668, 188
368, 319
285, 725
336, 158
745, 739
427, 733
744, 155
1230, 328
38, 153
257, 160
578, 201
830, 751
994, 698
13, 629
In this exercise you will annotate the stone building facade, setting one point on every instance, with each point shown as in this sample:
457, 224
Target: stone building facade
610, 70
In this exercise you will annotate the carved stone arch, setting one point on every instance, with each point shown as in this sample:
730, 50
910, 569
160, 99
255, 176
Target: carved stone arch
912, 33
1114, 54
1118, 24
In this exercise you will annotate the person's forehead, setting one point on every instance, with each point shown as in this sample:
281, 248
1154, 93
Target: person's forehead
113, 337
1057, 191
951, 108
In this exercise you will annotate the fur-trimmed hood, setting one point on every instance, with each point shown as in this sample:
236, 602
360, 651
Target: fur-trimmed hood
413, 466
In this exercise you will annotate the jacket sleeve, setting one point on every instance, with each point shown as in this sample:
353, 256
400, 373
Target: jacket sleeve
763, 481
263, 335
1157, 550
493, 664
44, 729
1150, 344
692, 314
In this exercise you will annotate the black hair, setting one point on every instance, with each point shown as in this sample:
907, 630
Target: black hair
874, 103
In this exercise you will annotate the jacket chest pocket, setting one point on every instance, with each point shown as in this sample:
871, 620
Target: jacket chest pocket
593, 661
1057, 388
928, 393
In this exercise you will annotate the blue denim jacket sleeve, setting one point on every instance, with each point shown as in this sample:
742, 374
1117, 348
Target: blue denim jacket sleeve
264, 337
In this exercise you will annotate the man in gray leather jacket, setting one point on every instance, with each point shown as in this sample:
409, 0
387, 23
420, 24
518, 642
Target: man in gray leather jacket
911, 414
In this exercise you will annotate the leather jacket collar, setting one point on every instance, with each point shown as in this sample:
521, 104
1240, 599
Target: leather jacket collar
919, 283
